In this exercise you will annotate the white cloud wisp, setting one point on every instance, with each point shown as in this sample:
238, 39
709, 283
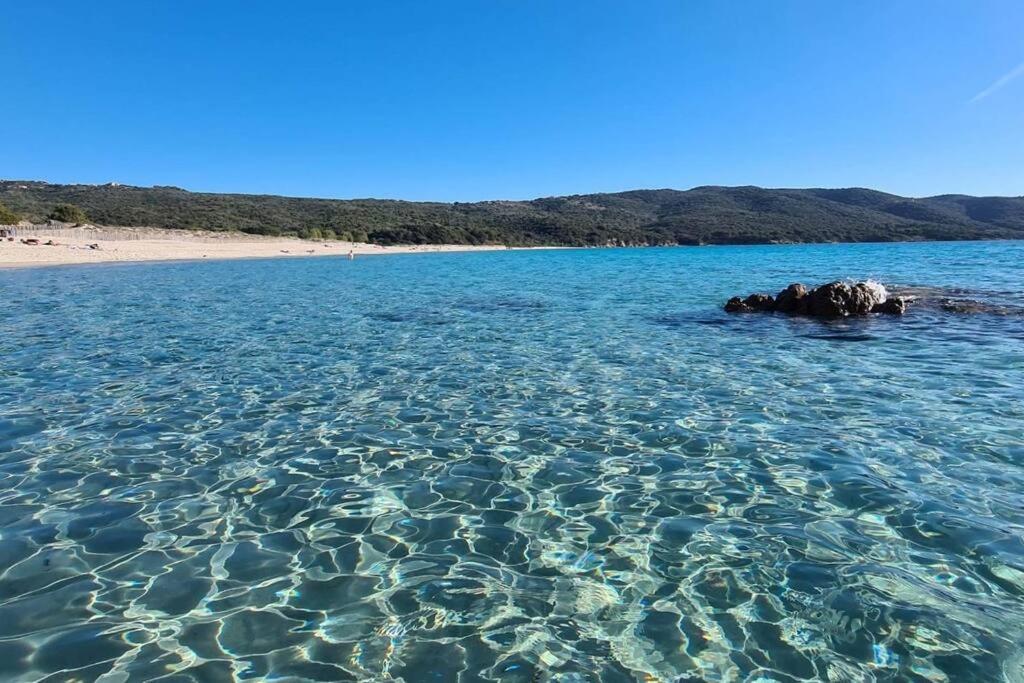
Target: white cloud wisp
1000, 82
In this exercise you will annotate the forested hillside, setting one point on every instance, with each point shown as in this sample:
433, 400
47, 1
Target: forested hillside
703, 215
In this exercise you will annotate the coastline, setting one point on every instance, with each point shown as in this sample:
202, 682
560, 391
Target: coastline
140, 245
151, 245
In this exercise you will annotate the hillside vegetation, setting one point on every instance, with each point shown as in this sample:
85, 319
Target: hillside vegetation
703, 215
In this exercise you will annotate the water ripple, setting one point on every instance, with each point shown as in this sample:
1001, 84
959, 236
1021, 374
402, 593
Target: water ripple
513, 466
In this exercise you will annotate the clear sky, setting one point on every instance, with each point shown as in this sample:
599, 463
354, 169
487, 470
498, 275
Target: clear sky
464, 100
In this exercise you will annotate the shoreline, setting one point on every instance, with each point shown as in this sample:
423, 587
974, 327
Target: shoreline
71, 247
159, 245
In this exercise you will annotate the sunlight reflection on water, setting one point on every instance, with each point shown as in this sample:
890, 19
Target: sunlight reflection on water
510, 466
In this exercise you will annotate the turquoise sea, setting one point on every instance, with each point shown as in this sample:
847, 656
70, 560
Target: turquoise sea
513, 466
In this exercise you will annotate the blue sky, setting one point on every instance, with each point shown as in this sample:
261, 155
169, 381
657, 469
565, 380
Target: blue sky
465, 100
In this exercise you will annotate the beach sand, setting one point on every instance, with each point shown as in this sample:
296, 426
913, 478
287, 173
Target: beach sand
153, 244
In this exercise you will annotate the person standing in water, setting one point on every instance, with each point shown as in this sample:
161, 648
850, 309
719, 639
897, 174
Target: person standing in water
351, 255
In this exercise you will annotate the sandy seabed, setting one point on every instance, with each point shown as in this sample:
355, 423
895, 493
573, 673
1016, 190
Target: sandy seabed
152, 244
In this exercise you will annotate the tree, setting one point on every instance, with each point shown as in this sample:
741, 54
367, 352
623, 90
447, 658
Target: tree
67, 213
8, 217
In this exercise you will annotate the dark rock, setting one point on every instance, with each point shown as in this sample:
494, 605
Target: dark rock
865, 297
736, 305
760, 302
828, 301
832, 300
754, 302
894, 305
792, 299
841, 299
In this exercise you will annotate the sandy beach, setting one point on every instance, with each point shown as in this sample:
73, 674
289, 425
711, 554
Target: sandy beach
110, 245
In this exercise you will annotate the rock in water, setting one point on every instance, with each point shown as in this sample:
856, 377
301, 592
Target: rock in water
735, 305
844, 299
828, 301
760, 302
840, 299
754, 302
832, 300
792, 299
894, 305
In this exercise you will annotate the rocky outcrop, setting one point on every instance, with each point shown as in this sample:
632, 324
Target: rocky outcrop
894, 305
792, 299
754, 302
832, 300
841, 299
847, 299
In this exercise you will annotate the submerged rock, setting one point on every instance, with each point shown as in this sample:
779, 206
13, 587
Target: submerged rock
832, 300
961, 301
975, 306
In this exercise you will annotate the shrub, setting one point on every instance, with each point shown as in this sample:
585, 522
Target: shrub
310, 233
67, 213
8, 217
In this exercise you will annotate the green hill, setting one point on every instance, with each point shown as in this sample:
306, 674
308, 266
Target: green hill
703, 215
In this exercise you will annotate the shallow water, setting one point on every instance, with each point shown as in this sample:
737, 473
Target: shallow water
513, 466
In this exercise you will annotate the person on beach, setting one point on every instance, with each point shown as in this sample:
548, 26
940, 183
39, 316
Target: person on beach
351, 255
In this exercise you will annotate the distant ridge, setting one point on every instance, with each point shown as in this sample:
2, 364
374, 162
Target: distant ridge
702, 215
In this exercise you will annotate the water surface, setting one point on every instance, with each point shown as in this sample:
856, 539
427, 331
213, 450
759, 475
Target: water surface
518, 466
